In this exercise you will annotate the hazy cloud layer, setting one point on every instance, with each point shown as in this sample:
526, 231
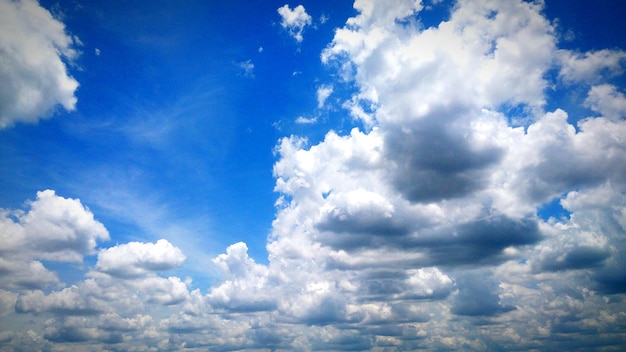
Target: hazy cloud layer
34, 50
418, 231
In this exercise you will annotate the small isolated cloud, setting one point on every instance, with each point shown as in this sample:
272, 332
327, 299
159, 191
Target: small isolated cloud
294, 20
323, 92
247, 68
97, 51
306, 120
33, 50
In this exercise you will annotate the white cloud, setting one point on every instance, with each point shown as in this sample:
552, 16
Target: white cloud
247, 67
591, 66
306, 120
33, 48
608, 101
407, 235
135, 259
62, 229
294, 20
323, 92
246, 287
54, 228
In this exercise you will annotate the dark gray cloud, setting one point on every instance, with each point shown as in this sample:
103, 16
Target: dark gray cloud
348, 341
577, 258
611, 279
478, 296
436, 159
481, 241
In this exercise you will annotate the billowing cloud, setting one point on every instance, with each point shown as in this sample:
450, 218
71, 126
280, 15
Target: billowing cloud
55, 229
34, 49
294, 20
137, 259
412, 232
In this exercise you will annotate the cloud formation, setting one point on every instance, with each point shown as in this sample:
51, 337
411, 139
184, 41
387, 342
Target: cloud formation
34, 50
136, 258
54, 229
294, 20
413, 232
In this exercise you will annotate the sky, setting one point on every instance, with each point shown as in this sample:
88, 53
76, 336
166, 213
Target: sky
313, 175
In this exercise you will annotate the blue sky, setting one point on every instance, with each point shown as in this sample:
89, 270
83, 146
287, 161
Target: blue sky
312, 175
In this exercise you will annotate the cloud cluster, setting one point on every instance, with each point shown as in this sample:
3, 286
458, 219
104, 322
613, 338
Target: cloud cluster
108, 305
412, 233
54, 229
34, 51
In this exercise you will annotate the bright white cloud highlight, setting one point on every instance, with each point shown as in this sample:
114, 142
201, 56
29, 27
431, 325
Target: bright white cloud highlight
34, 49
137, 259
294, 20
54, 228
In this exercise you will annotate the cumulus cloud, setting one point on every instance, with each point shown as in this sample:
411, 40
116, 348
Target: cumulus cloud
413, 232
294, 20
34, 50
54, 228
137, 259
608, 101
589, 67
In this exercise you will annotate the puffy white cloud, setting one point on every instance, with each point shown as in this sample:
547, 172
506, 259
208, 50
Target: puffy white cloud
608, 101
450, 177
294, 20
33, 50
246, 286
591, 66
54, 228
26, 274
69, 301
136, 259
409, 234
58, 228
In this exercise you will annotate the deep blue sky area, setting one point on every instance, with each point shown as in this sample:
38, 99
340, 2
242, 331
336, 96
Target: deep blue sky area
171, 71
315, 175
